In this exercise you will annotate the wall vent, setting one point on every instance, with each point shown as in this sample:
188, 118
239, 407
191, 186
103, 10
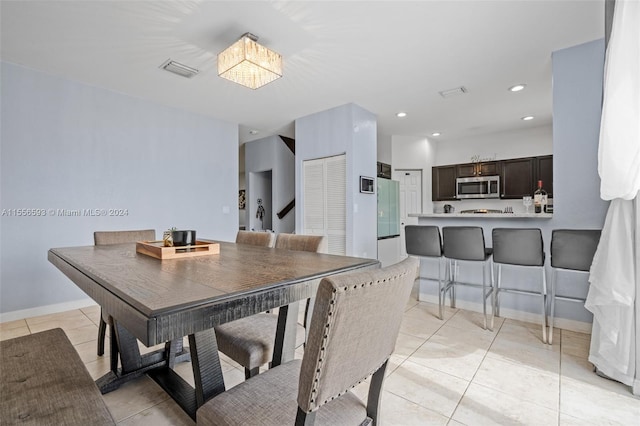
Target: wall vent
453, 92
178, 68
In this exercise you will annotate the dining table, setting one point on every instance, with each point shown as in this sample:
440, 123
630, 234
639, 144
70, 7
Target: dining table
160, 301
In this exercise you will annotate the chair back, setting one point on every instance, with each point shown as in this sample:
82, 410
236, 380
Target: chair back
312, 243
518, 246
263, 239
574, 248
353, 330
103, 238
463, 242
423, 240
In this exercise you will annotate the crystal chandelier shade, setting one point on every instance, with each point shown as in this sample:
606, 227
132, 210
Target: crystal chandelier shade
250, 64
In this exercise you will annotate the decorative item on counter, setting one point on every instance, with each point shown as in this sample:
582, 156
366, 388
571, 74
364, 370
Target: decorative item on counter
448, 208
167, 237
527, 201
183, 238
539, 198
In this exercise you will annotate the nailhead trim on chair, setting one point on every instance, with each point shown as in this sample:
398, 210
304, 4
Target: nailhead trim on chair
314, 389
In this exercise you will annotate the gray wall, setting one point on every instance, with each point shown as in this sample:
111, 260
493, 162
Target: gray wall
67, 145
350, 130
261, 155
577, 96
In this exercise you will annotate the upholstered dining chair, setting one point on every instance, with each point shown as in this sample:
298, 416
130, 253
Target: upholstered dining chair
250, 341
264, 239
353, 331
103, 238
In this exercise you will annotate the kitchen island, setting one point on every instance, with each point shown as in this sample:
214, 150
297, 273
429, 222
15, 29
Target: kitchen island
475, 216
520, 307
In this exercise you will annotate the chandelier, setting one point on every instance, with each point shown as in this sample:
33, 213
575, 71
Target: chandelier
248, 63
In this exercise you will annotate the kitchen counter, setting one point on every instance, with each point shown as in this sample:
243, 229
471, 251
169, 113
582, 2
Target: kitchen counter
484, 215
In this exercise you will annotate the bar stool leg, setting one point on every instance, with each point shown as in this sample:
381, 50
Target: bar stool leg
484, 295
493, 295
544, 306
440, 290
552, 305
454, 278
496, 302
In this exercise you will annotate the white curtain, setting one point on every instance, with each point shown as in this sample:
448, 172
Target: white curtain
615, 272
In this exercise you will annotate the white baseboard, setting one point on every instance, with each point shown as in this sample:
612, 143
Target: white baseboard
565, 324
46, 310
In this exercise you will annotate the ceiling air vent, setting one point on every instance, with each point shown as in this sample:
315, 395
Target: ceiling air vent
453, 92
178, 68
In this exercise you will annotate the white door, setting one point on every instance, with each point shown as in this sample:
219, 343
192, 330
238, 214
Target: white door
410, 200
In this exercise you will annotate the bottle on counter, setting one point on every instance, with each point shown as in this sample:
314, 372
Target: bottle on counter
539, 198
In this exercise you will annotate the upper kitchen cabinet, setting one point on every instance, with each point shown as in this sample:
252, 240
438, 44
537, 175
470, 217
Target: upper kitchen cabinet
517, 178
443, 183
491, 168
544, 172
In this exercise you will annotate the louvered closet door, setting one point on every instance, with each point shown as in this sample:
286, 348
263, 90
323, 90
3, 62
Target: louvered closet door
325, 201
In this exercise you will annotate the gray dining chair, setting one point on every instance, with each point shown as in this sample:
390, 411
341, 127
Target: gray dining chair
352, 334
522, 248
571, 250
250, 341
103, 238
424, 242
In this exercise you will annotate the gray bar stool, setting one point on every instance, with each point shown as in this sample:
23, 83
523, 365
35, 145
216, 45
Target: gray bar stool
424, 241
466, 244
520, 247
571, 250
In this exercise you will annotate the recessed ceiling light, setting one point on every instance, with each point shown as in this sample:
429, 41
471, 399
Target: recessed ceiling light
435, 134
527, 118
253, 132
401, 114
517, 87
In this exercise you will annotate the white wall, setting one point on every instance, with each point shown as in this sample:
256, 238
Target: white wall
528, 142
349, 130
67, 145
271, 153
384, 149
415, 153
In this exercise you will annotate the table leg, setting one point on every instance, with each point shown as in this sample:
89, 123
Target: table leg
285, 343
207, 374
124, 346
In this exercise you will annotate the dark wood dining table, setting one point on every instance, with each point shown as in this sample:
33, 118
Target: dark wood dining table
161, 301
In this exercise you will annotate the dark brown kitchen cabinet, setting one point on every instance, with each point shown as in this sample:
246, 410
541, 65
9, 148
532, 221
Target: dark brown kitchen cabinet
491, 168
443, 186
544, 172
517, 177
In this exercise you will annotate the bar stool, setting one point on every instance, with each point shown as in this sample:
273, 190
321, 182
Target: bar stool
519, 247
466, 244
424, 242
571, 250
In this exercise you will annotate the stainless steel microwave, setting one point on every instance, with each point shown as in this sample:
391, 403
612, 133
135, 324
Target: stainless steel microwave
478, 187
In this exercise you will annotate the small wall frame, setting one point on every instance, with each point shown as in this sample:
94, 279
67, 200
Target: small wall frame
367, 185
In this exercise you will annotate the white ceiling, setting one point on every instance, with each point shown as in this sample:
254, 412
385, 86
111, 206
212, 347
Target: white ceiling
384, 56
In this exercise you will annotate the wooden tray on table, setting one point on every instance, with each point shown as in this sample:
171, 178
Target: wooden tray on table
159, 251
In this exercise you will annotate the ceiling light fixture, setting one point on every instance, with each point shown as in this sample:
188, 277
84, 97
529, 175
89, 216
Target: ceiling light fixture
436, 134
401, 114
248, 63
527, 118
517, 87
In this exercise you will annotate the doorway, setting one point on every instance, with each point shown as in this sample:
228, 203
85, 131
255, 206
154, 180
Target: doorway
410, 200
260, 205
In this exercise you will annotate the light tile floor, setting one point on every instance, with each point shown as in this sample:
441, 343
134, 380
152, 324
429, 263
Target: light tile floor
449, 372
